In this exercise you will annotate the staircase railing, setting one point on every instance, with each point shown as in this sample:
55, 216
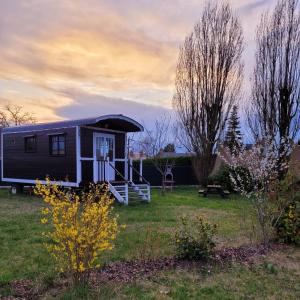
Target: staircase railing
118, 172
142, 190
116, 193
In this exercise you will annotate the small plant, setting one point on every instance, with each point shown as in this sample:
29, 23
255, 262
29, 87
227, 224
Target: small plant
82, 226
194, 238
270, 268
288, 225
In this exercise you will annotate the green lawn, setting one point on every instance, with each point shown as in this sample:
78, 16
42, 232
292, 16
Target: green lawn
148, 235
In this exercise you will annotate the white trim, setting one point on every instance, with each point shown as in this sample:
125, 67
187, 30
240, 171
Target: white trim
95, 165
103, 129
126, 150
119, 159
86, 158
141, 169
62, 183
78, 156
34, 130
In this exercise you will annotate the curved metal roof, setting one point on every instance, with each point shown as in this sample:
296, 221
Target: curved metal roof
121, 122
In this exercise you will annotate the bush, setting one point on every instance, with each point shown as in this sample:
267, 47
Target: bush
222, 177
82, 226
288, 225
194, 239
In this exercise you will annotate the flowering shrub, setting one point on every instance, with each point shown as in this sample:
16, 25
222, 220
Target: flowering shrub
253, 173
83, 226
194, 239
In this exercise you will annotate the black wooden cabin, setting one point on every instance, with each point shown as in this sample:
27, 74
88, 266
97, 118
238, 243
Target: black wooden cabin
73, 153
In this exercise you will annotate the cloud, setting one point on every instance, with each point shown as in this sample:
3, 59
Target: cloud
109, 50
83, 104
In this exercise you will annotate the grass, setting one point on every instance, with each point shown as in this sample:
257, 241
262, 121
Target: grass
148, 235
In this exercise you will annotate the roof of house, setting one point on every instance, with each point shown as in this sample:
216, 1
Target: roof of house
114, 122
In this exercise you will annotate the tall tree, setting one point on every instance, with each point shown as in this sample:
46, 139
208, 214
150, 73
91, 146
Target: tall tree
208, 81
234, 138
275, 103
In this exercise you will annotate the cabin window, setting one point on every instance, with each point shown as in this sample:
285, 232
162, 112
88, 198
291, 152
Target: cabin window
30, 144
58, 144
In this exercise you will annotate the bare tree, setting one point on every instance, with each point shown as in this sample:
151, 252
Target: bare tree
154, 141
14, 115
275, 103
208, 81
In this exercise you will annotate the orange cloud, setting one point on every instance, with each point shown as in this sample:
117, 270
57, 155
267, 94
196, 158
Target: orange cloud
116, 49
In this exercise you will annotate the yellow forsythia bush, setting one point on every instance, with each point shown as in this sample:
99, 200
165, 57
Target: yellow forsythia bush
83, 226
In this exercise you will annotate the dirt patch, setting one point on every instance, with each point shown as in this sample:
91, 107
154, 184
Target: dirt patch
130, 271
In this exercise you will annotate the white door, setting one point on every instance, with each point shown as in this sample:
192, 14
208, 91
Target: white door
104, 157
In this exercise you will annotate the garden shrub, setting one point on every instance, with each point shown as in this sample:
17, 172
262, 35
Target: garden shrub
222, 177
82, 226
288, 225
194, 239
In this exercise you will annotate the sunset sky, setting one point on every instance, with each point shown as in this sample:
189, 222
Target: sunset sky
70, 59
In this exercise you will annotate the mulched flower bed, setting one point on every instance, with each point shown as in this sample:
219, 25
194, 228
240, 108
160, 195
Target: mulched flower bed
131, 270
128, 271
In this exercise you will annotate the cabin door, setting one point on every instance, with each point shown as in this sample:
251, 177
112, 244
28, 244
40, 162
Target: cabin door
104, 157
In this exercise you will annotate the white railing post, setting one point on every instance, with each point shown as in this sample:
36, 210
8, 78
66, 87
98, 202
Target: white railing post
149, 191
141, 169
126, 194
106, 168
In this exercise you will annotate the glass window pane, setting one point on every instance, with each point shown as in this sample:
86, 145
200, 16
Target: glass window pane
30, 144
57, 144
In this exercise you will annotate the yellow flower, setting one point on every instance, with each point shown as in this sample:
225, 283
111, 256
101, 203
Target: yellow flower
45, 211
44, 221
82, 228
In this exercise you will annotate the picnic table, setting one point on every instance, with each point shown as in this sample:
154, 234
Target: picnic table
214, 189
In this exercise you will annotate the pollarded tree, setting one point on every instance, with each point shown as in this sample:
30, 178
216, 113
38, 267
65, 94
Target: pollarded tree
234, 138
208, 81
